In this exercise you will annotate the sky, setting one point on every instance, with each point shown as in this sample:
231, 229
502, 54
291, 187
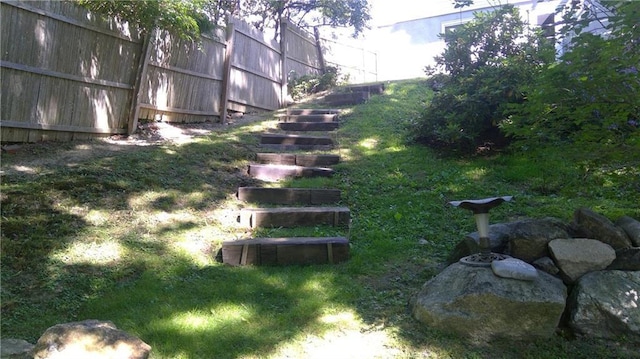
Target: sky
385, 12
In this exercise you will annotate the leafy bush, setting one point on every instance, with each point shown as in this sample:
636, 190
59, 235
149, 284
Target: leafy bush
300, 87
487, 61
592, 95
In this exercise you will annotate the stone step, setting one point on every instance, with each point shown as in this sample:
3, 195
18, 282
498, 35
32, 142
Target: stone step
321, 160
286, 251
305, 196
308, 126
347, 98
309, 118
289, 217
312, 111
270, 172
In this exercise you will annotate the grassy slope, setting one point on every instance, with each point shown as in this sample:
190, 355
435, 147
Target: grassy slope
131, 238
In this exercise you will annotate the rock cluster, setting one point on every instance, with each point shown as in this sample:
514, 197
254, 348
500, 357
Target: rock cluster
588, 272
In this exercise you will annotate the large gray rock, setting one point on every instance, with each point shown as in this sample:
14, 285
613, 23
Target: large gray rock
626, 259
525, 239
473, 302
578, 256
589, 224
631, 227
15, 349
514, 268
606, 304
89, 339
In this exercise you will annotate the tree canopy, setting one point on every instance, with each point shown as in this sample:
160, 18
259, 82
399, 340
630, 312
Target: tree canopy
188, 18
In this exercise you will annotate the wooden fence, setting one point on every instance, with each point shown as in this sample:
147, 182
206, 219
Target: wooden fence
70, 74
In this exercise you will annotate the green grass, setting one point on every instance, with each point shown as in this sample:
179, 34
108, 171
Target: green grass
132, 238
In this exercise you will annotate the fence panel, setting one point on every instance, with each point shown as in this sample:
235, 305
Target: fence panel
183, 79
255, 77
64, 72
301, 53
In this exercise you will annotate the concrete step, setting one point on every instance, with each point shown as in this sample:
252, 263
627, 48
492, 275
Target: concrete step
312, 111
296, 142
304, 196
269, 172
286, 251
321, 160
309, 118
289, 217
308, 126
347, 98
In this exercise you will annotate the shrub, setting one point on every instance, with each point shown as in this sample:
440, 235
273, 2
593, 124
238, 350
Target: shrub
300, 87
488, 60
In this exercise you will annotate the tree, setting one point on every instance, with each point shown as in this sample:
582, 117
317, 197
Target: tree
306, 13
186, 18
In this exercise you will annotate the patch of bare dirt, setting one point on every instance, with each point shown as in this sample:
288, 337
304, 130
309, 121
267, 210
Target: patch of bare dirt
30, 158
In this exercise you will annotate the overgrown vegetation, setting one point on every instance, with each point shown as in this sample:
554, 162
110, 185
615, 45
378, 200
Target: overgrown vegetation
303, 86
131, 237
501, 82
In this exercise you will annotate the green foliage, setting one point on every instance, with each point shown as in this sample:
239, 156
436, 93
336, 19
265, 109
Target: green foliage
186, 18
487, 60
302, 86
308, 14
592, 95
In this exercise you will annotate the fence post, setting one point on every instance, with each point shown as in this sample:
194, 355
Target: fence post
226, 75
316, 33
141, 73
284, 27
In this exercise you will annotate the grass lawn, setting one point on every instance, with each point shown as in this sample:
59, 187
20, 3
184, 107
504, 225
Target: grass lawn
131, 236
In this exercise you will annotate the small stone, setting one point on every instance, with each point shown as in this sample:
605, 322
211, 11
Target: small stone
514, 268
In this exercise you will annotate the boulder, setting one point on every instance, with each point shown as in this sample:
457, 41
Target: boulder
473, 302
526, 239
529, 238
546, 264
626, 259
15, 349
89, 339
605, 305
577, 256
589, 224
631, 227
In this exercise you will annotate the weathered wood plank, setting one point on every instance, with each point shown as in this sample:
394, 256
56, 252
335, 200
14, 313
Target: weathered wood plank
308, 118
286, 251
308, 196
289, 217
267, 172
319, 160
347, 98
312, 111
284, 139
308, 126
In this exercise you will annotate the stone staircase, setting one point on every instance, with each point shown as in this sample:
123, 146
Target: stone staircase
293, 207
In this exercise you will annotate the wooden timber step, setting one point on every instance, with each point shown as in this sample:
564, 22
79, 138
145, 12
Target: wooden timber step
289, 217
286, 251
347, 98
306, 160
312, 111
304, 196
331, 118
375, 89
270, 172
308, 126
286, 139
